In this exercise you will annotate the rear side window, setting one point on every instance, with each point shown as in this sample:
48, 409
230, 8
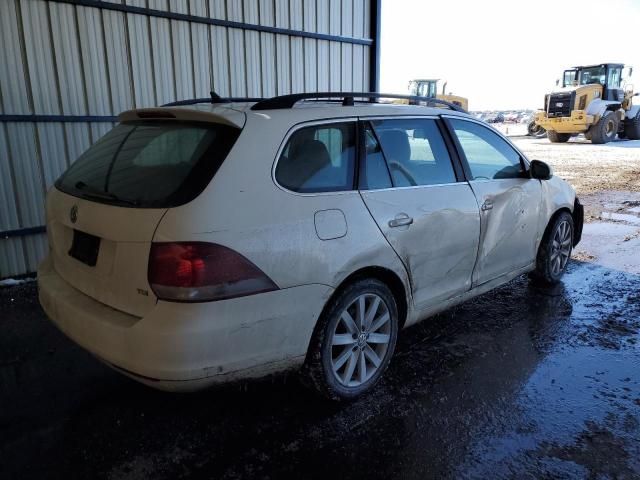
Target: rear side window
374, 173
415, 152
489, 156
150, 165
320, 158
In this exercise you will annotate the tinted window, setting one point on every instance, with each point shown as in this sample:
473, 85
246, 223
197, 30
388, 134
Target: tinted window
319, 159
488, 155
155, 165
415, 152
374, 173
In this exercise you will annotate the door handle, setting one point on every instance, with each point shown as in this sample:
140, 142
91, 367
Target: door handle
401, 220
487, 205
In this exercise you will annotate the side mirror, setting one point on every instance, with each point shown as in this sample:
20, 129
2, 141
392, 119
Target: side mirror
557, 82
540, 170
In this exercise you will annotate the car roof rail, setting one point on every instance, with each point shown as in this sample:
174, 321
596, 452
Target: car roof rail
348, 99
214, 98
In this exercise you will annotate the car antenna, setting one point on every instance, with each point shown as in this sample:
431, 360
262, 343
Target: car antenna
215, 98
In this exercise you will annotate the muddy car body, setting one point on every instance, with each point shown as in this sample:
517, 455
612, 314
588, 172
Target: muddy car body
283, 237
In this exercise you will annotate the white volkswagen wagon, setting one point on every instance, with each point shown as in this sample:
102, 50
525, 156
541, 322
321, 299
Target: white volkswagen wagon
206, 242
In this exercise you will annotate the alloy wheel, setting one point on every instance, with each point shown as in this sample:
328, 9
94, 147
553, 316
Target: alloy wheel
561, 248
360, 340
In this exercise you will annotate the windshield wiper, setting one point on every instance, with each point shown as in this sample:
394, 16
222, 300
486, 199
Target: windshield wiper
91, 192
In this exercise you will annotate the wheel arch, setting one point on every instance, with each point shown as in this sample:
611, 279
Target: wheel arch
390, 279
552, 219
633, 111
387, 276
599, 107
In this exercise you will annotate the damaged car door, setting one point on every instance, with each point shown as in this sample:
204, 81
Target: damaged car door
420, 202
508, 197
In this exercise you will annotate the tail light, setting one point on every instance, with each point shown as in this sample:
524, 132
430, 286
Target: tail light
199, 272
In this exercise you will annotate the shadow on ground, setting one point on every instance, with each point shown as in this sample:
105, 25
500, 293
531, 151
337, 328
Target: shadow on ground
521, 381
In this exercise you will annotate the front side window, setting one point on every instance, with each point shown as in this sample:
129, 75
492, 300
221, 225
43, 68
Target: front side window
414, 151
427, 89
150, 165
320, 158
569, 78
489, 157
592, 75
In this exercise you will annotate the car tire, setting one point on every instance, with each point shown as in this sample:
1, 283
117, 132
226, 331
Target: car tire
535, 130
632, 128
556, 137
554, 251
606, 129
339, 346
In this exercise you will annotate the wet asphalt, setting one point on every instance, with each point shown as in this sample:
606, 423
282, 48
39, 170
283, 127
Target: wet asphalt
523, 382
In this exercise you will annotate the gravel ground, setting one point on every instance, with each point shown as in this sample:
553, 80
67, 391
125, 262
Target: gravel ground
523, 382
589, 168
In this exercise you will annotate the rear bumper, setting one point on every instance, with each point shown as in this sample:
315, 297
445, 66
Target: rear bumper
187, 346
578, 122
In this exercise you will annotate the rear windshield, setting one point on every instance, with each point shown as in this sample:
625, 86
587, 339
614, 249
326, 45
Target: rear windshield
150, 165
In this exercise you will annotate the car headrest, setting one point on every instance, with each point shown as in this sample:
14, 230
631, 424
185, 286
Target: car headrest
395, 144
308, 158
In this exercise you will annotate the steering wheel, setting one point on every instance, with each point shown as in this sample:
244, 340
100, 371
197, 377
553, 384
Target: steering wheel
404, 171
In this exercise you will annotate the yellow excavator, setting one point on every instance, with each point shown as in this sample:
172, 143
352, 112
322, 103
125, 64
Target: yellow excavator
428, 87
596, 100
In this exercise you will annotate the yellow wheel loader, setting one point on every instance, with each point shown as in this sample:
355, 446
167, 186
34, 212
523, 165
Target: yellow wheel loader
429, 88
595, 100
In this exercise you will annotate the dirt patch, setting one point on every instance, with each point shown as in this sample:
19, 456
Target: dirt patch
600, 205
589, 168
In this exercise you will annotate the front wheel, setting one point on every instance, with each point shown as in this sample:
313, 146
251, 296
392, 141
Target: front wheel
606, 129
557, 137
353, 341
535, 130
554, 251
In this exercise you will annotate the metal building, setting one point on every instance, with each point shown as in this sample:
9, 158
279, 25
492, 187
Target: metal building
67, 67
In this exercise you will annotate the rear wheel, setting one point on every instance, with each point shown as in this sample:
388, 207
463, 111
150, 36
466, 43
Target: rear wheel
632, 128
606, 129
554, 251
557, 137
353, 341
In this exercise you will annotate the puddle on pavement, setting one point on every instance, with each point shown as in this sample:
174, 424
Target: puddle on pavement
577, 414
522, 382
620, 217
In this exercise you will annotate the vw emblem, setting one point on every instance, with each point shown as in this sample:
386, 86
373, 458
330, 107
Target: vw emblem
73, 214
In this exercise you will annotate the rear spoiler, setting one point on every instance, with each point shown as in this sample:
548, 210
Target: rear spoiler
232, 118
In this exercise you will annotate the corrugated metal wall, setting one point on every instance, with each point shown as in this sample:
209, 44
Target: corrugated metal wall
75, 64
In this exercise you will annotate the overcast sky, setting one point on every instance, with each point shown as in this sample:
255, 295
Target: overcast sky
503, 54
